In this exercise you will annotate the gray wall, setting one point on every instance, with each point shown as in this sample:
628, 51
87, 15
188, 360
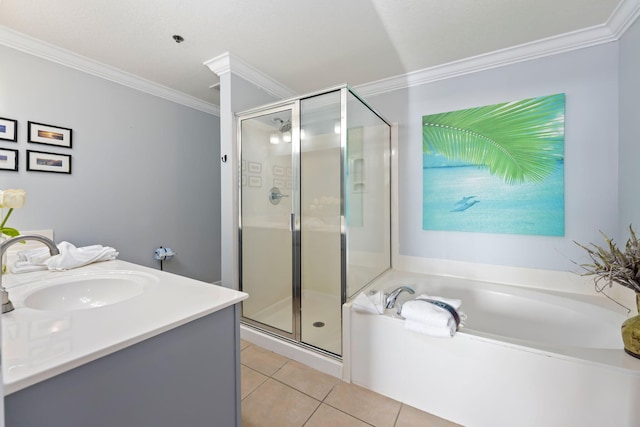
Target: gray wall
630, 128
589, 78
146, 171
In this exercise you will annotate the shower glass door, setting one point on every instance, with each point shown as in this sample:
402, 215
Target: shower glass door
268, 219
321, 221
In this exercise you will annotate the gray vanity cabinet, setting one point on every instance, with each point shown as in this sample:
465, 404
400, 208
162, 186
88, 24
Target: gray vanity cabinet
187, 376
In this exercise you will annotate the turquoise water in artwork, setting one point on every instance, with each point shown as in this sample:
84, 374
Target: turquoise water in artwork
468, 198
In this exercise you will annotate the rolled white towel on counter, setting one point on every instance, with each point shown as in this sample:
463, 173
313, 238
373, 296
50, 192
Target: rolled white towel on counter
33, 256
70, 257
26, 267
369, 303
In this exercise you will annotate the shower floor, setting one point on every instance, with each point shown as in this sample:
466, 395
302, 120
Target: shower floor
317, 308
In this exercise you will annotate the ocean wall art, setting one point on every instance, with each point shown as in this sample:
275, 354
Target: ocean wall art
496, 169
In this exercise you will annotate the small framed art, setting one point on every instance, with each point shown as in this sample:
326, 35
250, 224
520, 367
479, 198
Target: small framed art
8, 130
40, 133
255, 181
48, 162
255, 167
8, 160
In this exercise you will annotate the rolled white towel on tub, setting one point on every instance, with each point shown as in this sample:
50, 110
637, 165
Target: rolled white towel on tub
442, 331
424, 312
433, 316
453, 302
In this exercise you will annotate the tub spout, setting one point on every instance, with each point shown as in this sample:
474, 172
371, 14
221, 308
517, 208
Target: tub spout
390, 298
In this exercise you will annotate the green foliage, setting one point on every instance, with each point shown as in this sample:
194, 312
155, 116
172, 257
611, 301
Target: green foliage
517, 141
613, 265
8, 231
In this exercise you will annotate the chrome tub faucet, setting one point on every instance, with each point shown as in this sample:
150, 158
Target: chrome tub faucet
390, 298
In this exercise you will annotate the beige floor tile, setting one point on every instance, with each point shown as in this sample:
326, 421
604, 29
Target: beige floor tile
364, 404
249, 380
275, 404
261, 360
307, 380
326, 416
410, 417
244, 344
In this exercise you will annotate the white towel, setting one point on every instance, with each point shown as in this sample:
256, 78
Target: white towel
369, 303
69, 257
427, 313
34, 256
430, 319
455, 303
444, 331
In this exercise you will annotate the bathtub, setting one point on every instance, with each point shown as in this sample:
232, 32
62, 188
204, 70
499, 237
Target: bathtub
525, 357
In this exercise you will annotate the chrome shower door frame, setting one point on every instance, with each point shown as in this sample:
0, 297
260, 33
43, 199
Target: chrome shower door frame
294, 221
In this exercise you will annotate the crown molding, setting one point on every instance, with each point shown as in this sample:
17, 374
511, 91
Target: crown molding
229, 63
622, 17
620, 20
38, 48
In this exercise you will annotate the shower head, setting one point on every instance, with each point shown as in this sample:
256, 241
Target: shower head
284, 126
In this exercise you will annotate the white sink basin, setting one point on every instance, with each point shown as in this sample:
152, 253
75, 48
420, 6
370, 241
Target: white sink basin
91, 290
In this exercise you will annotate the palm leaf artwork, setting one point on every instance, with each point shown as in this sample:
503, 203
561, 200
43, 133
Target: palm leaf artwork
517, 141
503, 165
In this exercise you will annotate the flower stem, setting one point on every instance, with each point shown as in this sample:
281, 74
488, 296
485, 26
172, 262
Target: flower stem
4, 221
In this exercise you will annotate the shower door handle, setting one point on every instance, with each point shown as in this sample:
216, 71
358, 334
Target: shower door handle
275, 195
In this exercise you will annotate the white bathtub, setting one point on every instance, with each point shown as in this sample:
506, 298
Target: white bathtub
525, 357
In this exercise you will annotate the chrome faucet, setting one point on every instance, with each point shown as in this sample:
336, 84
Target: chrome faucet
7, 305
390, 299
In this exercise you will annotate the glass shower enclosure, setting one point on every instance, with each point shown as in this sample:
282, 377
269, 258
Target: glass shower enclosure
315, 212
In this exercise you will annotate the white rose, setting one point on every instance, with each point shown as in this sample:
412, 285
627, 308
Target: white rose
12, 198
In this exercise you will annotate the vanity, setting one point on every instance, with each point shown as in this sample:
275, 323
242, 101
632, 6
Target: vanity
118, 344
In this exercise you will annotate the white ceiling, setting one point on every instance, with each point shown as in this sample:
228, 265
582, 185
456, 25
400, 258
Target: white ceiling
306, 45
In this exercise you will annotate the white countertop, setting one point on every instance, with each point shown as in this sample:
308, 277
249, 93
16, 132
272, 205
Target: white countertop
38, 344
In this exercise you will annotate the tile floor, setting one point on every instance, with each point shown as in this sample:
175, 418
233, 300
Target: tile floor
277, 391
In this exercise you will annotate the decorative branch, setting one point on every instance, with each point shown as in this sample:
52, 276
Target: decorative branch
612, 265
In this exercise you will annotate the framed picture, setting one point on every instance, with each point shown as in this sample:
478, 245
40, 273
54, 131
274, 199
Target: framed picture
48, 162
8, 130
255, 181
255, 167
8, 160
40, 133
